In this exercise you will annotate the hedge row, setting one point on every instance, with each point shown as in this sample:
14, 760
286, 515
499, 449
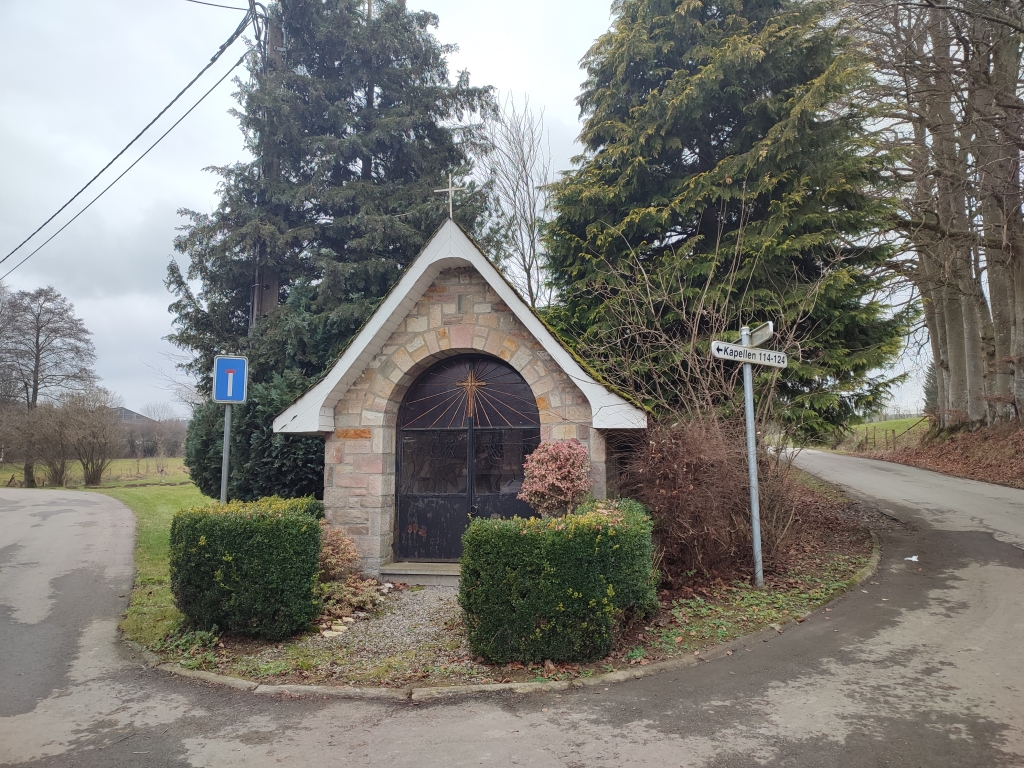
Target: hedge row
556, 588
248, 567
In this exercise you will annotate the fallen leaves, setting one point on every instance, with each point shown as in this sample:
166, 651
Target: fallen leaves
991, 454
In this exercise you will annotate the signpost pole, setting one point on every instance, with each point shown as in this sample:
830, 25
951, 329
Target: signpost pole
755, 508
227, 452
230, 385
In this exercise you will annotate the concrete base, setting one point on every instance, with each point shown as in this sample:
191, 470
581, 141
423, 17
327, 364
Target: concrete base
422, 574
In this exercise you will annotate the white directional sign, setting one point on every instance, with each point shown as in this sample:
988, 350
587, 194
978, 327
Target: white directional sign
761, 334
724, 351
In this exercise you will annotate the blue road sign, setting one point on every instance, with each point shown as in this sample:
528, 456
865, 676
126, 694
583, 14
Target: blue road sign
230, 379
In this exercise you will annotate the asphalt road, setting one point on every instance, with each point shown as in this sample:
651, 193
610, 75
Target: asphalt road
921, 667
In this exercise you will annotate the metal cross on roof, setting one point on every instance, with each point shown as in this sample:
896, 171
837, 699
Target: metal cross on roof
450, 190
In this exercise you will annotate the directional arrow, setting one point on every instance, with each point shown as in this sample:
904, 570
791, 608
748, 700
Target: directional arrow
725, 351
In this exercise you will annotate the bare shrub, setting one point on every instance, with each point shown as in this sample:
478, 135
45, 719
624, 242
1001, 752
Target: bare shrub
95, 431
778, 502
53, 442
692, 476
339, 558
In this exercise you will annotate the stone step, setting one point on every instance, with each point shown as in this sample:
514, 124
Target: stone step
422, 574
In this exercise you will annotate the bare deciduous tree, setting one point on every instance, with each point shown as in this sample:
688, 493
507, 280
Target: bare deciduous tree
48, 353
166, 433
181, 388
8, 381
949, 78
50, 425
519, 171
96, 435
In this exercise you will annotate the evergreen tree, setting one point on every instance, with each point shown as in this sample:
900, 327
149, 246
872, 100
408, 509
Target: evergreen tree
725, 165
351, 129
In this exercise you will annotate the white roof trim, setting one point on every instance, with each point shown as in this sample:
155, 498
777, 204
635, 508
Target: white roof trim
313, 413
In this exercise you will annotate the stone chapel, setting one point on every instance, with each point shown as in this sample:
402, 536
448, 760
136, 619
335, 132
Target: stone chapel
431, 410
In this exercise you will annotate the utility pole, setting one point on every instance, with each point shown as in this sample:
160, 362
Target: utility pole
367, 161
266, 284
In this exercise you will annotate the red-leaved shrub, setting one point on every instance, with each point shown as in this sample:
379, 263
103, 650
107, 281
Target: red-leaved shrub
556, 477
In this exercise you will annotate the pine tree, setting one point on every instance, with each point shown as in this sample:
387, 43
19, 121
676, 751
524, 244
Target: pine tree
725, 165
351, 129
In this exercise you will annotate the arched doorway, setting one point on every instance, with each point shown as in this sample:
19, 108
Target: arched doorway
464, 429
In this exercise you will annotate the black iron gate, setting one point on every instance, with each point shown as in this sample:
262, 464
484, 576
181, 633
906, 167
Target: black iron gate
465, 428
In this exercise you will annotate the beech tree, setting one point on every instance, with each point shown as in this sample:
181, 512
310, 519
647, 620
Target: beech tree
351, 129
727, 179
948, 77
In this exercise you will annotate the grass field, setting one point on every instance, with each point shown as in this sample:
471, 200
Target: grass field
151, 613
122, 473
870, 436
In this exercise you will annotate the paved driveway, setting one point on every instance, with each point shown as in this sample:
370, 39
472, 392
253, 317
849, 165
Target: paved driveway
921, 668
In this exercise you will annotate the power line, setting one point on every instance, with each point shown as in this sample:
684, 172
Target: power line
151, 148
220, 51
217, 5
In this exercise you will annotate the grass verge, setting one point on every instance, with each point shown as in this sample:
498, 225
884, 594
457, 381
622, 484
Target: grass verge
404, 645
408, 642
729, 611
151, 613
122, 473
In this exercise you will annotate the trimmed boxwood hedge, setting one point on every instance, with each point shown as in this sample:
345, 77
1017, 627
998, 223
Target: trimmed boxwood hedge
248, 567
555, 588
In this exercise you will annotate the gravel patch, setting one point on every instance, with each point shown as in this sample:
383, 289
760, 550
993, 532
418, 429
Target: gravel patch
410, 619
417, 637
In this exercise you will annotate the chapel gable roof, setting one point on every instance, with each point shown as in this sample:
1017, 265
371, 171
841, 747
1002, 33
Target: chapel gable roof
450, 247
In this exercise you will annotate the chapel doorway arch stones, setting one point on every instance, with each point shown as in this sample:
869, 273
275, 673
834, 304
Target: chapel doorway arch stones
360, 471
450, 301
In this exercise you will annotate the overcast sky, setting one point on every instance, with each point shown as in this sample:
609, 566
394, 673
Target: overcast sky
82, 78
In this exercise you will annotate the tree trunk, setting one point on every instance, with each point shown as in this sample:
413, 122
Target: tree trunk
994, 77
966, 365
1009, 317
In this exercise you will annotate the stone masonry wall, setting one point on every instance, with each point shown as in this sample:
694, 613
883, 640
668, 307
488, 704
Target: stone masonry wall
458, 314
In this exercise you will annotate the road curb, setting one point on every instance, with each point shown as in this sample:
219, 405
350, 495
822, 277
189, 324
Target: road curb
151, 659
868, 570
335, 692
210, 677
439, 693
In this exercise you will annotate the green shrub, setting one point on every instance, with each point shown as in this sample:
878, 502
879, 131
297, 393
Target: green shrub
247, 567
262, 463
556, 588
